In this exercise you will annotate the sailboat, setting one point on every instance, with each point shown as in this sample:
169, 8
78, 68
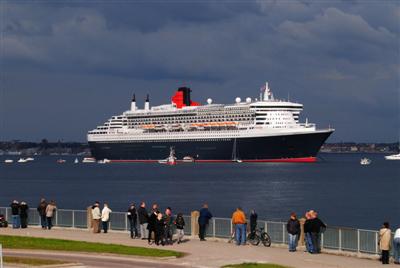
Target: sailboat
76, 161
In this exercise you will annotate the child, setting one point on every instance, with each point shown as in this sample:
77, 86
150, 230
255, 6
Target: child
179, 223
160, 229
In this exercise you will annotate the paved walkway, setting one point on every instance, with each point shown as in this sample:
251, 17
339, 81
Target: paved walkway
206, 254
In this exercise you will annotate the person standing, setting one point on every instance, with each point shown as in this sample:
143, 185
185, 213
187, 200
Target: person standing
204, 218
151, 227
180, 224
23, 214
384, 242
307, 233
50, 211
169, 221
239, 221
143, 220
293, 229
16, 220
253, 223
96, 216
160, 226
105, 217
42, 212
316, 228
132, 218
396, 246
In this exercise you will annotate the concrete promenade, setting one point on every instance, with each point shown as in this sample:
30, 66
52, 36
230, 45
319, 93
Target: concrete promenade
212, 253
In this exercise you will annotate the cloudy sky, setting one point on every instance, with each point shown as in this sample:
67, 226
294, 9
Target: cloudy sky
66, 66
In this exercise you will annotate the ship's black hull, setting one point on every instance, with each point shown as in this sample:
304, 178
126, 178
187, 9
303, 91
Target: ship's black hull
287, 148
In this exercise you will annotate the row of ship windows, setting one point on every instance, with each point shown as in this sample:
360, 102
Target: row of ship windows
183, 140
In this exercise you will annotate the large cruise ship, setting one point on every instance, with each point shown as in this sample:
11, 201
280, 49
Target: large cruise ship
259, 130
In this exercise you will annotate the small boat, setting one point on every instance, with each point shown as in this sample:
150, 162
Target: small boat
61, 161
8, 161
89, 160
22, 160
76, 161
170, 160
393, 157
104, 161
29, 159
238, 161
188, 159
365, 161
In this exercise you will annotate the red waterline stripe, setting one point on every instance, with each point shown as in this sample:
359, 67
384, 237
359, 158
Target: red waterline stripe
281, 160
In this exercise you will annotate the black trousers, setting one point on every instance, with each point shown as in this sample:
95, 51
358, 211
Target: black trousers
385, 256
316, 241
202, 230
49, 222
24, 221
151, 231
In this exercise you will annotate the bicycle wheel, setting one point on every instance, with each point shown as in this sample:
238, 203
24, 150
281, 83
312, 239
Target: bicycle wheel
253, 239
266, 240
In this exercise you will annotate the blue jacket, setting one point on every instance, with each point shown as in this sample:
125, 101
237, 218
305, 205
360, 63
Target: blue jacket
205, 216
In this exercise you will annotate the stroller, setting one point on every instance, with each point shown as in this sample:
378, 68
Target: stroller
3, 222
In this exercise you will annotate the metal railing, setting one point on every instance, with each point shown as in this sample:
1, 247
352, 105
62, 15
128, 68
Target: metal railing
334, 238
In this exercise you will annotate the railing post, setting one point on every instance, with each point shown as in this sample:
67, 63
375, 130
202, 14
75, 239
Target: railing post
283, 233
340, 239
214, 227
73, 218
322, 240
126, 223
1, 256
376, 243
266, 226
56, 218
358, 240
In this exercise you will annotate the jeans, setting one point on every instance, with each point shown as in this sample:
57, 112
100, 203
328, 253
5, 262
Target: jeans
144, 233
180, 234
202, 231
49, 222
43, 221
105, 226
16, 221
133, 229
240, 232
309, 243
396, 249
316, 241
292, 242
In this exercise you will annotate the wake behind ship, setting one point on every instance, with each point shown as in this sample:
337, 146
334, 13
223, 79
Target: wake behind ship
264, 130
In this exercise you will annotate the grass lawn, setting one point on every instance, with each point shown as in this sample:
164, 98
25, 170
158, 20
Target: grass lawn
21, 242
254, 265
30, 261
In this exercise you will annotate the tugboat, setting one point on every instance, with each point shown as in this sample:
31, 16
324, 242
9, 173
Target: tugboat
188, 159
171, 159
365, 161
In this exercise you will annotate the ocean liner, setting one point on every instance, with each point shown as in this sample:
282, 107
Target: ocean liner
259, 130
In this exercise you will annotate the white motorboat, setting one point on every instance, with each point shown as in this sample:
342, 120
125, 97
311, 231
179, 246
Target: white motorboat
393, 157
76, 161
29, 159
89, 160
104, 161
22, 160
8, 161
365, 161
188, 159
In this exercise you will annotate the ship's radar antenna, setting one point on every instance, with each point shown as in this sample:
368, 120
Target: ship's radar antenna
209, 101
238, 100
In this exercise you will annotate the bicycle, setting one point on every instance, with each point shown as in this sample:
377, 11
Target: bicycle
259, 236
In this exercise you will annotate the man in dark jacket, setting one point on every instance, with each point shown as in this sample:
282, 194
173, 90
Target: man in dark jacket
253, 223
23, 214
16, 221
132, 219
307, 233
152, 222
204, 218
316, 228
293, 229
143, 220
42, 212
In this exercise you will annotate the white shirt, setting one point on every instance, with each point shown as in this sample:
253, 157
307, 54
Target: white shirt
397, 233
105, 214
96, 213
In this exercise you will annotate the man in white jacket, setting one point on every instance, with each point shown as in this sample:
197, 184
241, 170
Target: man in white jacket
105, 217
96, 216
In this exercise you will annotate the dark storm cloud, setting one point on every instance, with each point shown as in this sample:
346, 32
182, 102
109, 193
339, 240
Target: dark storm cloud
344, 52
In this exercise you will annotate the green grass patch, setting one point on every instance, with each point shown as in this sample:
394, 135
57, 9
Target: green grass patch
254, 265
30, 261
22, 242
